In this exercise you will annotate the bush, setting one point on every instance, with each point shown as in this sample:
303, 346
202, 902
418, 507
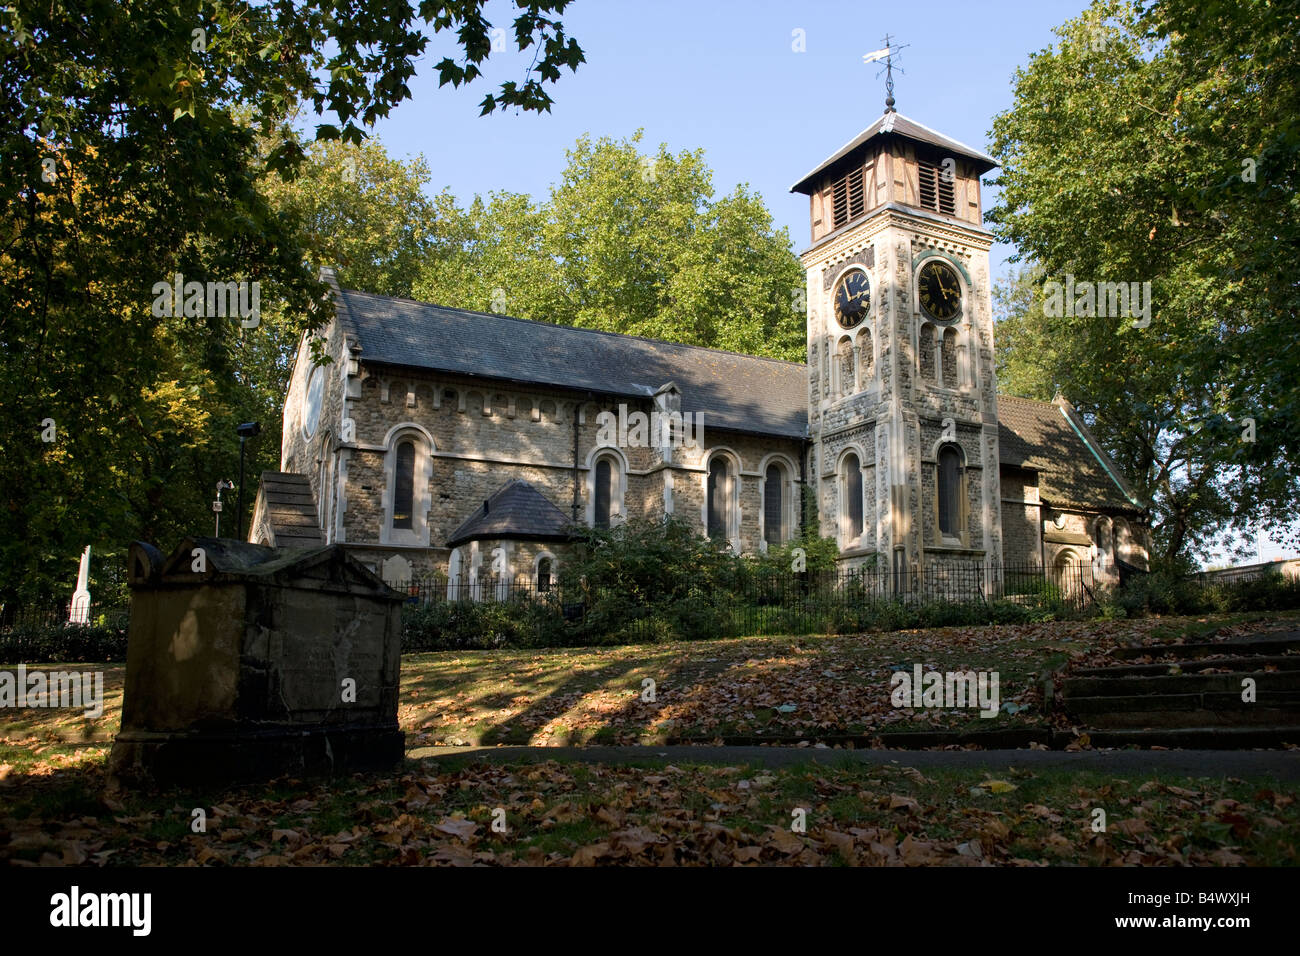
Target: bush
1268, 592
101, 642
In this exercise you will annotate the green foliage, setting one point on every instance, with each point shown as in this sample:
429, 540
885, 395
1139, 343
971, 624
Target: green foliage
481, 625
101, 642
367, 215
653, 581
632, 243
1166, 591
131, 150
819, 555
1160, 143
646, 558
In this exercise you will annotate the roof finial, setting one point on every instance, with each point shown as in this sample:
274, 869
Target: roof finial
887, 53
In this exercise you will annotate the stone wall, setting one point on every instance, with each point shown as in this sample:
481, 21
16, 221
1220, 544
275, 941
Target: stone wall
1021, 518
473, 437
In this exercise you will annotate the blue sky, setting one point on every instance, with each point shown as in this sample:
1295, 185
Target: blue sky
722, 75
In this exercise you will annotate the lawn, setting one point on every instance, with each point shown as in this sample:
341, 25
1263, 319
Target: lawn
54, 809
784, 688
552, 813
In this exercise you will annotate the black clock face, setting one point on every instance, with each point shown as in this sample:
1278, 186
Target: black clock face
852, 298
939, 290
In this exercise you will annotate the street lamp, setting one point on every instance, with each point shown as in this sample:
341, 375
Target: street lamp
245, 431
224, 484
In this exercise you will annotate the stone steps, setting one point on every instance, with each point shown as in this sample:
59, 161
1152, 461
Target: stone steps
1282, 662
1195, 692
1178, 684
1264, 645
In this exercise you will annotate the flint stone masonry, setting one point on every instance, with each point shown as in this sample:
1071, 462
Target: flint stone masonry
241, 669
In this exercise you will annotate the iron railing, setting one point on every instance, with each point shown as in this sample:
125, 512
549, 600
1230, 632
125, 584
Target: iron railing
765, 601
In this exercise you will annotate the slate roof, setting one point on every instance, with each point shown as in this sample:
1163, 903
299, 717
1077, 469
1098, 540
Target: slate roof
290, 509
1052, 439
896, 124
516, 511
733, 391
737, 392
228, 561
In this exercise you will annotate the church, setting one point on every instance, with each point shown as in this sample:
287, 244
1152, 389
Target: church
467, 444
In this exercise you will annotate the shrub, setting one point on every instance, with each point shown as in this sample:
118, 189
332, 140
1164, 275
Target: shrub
1268, 592
101, 642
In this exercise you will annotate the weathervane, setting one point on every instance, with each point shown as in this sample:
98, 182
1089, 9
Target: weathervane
887, 53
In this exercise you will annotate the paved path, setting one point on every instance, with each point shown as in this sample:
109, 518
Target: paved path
1281, 764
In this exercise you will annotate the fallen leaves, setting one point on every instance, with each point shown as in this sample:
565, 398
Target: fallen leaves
464, 829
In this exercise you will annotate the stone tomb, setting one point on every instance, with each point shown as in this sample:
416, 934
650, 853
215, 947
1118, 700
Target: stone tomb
247, 662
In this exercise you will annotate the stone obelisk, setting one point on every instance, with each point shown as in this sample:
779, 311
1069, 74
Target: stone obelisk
80, 612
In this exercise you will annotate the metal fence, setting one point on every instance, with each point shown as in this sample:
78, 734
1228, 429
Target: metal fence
764, 601
51, 613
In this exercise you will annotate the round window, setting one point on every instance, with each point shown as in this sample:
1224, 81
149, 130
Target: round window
311, 408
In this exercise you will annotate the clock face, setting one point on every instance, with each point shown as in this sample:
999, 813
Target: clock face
852, 298
939, 289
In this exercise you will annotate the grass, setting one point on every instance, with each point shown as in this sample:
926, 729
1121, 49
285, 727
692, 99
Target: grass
704, 690
53, 807
738, 687
653, 812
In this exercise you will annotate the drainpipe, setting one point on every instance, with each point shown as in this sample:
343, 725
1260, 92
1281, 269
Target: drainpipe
803, 486
576, 506
1042, 543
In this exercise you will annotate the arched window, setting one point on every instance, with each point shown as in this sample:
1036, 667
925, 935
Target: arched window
1124, 550
404, 486
866, 360
721, 491
926, 348
846, 367
604, 492
774, 530
323, 495
455, 590
852, 507
408, 486
1104, 535
950, 482
545, 572
606, 488
948, 350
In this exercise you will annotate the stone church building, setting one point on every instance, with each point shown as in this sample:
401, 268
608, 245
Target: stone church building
467, 444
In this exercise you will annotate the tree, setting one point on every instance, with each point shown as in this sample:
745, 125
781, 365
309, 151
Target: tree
367, 215
633, 243
129, 153
1123, 162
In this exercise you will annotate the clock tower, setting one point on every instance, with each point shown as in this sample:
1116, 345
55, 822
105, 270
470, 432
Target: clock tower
902, 398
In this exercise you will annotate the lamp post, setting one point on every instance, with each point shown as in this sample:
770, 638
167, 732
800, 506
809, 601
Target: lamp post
245, 431
225, 484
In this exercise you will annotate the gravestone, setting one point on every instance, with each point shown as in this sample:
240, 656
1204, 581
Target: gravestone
247, 662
